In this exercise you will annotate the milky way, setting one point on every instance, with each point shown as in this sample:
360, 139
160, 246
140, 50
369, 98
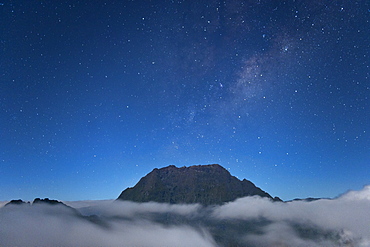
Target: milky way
94, 95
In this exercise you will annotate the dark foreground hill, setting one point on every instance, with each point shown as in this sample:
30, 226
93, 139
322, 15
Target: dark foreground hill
204, 184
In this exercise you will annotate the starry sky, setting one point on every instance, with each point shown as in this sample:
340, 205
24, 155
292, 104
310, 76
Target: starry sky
95, 94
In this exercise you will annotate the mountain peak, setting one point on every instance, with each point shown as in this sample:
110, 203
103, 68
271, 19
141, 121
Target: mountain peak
204, 184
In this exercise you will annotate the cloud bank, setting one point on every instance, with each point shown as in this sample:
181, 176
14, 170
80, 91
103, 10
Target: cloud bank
50, 225
249, 221
347, 218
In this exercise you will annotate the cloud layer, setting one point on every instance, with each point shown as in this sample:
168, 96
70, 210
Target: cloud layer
46, 225
250, 221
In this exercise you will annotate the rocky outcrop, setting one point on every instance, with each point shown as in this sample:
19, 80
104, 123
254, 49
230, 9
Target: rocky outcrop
204, 184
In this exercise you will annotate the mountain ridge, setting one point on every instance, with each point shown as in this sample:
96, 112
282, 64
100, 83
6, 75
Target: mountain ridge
203, 184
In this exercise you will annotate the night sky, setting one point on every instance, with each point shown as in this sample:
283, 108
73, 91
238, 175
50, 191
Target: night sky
95, 94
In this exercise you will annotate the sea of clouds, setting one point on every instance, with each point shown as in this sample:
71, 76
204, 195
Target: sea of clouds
123, 223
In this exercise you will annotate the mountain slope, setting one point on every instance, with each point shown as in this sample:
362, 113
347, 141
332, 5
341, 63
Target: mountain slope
204, 184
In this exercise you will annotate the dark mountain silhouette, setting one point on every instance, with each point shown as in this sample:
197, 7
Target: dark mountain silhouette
308, 199
17, 202
51, 206
204, 184
36, 201
47, 201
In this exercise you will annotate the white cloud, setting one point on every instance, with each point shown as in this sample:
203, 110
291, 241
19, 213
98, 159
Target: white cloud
282, 234
348, 214
338, 222
87, 203
46, 225
363, 194
129, 209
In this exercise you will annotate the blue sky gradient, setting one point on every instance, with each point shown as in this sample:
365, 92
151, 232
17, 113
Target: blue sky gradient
94, 94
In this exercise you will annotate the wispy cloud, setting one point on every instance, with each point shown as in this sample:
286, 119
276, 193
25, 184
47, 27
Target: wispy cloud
131, 209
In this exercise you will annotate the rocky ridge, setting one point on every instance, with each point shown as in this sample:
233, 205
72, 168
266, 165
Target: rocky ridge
204, 184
